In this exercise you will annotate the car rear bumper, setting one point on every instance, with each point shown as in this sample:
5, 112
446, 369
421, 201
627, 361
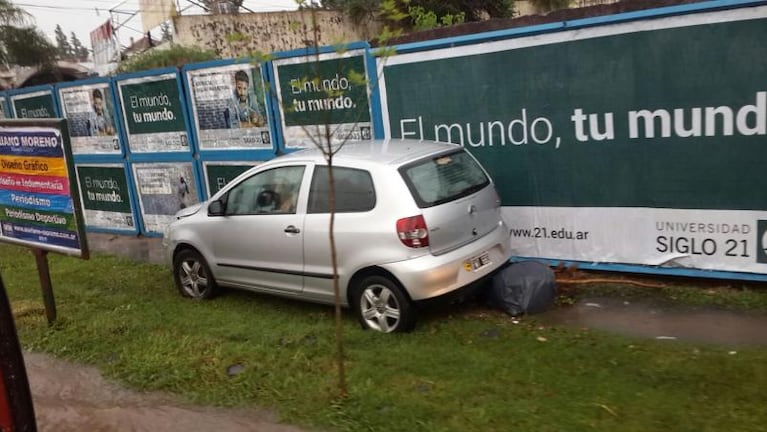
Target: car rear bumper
431, 276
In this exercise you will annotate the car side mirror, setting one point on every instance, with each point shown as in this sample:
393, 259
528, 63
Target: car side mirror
216, 208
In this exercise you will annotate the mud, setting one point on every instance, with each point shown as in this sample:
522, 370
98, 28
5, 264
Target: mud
663, 322
70, 397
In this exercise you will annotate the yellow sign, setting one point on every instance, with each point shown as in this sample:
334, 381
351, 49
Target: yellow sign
42, 166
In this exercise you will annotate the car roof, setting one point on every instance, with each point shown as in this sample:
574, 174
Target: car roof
392, 151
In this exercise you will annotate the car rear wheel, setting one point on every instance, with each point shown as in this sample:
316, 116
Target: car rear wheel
192, 275
381, 305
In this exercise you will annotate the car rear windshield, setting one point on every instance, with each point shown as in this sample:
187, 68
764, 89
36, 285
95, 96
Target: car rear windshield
444, 178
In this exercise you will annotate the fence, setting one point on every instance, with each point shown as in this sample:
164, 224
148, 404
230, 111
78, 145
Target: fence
626, 142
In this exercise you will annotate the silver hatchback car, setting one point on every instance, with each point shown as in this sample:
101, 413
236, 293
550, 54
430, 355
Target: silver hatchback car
414, 220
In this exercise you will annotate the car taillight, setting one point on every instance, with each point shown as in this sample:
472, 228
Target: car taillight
412, 232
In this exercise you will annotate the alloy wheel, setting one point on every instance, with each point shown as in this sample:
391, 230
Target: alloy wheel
380, 308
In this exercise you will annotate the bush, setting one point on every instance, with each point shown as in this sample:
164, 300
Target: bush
158, 58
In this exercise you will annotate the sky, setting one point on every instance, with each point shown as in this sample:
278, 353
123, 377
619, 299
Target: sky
82, 16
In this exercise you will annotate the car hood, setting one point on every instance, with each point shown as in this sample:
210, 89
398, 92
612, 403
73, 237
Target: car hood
188, 211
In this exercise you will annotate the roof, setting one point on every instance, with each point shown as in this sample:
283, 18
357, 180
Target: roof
388, 151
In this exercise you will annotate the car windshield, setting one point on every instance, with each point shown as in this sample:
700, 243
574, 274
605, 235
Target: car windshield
444, 178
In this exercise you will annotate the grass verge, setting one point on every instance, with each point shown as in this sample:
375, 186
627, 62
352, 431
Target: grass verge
463, 369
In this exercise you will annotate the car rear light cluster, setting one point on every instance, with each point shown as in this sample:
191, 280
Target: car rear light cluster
412, 232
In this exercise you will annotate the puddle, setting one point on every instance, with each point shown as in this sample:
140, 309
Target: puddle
70, 397
662, 322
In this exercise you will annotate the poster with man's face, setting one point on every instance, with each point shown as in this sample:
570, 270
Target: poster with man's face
229, 107
91, 115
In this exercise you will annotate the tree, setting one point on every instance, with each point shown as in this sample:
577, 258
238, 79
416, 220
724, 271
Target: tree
63, 47
472, 10
25, 47
550, 5
20, 42
175, 56
358, 11
79, 52
222, 6
328, 137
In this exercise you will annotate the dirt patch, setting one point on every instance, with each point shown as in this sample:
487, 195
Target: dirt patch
70, 397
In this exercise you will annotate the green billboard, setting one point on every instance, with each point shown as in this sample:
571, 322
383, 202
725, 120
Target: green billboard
33, 105
632, 143
105, 196
219, 174
153, 113
326, 92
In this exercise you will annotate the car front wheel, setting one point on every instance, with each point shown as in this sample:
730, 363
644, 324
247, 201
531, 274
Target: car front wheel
381, 305
192, 275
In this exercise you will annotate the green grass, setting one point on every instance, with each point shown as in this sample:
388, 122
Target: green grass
465, 368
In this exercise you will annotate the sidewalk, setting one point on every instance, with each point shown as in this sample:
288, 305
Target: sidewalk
139, 248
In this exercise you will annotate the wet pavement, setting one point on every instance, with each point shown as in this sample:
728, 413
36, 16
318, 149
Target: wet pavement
662, 322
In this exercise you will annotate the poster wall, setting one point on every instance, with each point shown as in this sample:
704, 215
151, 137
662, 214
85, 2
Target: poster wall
105, 196
164, 189
153, 113
229, 107
92, 117
33, 105
219, 174
38, 206
604, 149
329, 93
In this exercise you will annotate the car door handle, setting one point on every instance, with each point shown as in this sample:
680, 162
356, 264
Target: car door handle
292, 229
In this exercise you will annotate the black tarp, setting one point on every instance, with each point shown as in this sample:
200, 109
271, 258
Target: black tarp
526, 287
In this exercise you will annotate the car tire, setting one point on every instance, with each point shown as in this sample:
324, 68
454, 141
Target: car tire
192, 275
381, 305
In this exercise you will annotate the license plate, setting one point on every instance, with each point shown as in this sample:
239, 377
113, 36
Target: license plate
478, 262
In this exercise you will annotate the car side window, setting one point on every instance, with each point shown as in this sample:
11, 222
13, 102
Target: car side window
354, 190
274, 191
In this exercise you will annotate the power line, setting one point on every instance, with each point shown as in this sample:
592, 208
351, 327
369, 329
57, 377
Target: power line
89, 9
101, 9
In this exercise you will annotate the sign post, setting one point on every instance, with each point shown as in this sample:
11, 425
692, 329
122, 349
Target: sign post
39, 201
